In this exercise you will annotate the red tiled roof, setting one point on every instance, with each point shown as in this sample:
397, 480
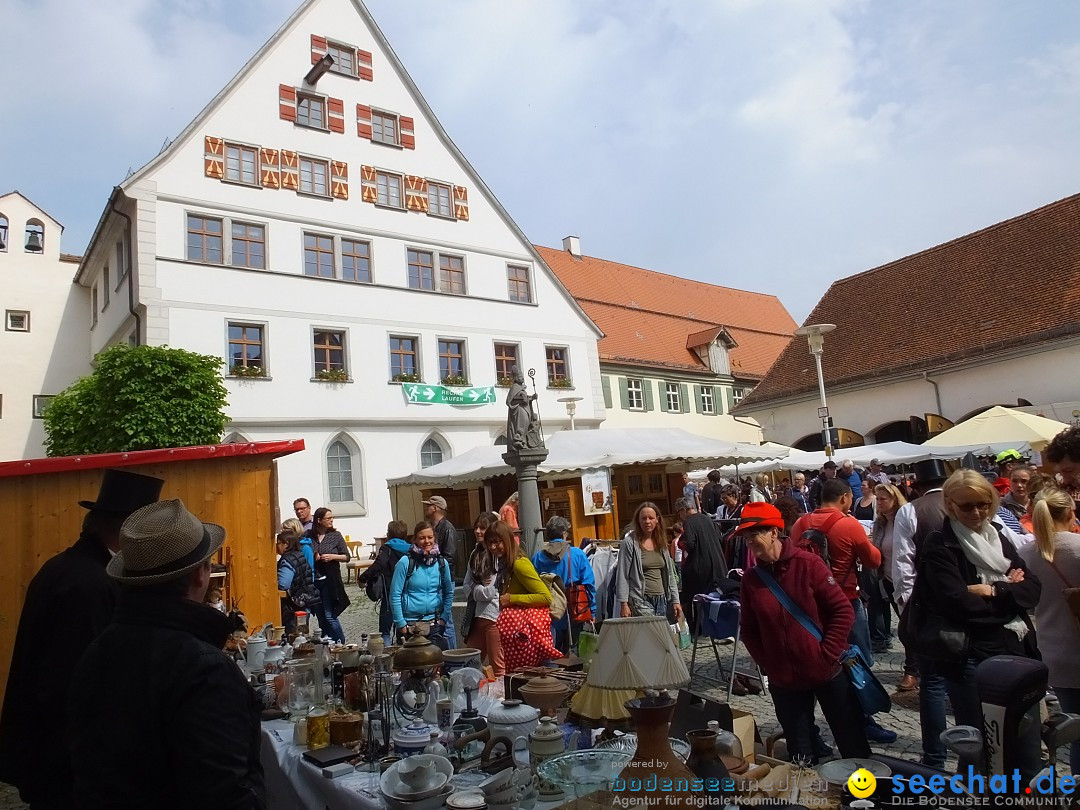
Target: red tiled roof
647, 316
1011, 284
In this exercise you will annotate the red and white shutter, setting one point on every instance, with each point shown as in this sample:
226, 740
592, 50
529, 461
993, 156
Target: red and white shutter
214, 157
363, 121
369, 187
318, 48
335, 109
408, 135
339, 179
363, 65
416, 194
287, 102
290, 170
271, 168
461, 202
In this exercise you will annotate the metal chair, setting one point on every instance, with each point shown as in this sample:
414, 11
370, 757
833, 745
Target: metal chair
724, 625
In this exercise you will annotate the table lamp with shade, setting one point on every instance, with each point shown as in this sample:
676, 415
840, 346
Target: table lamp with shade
638, 653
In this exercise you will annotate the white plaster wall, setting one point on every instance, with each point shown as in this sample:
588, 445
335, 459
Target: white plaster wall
54, 353
721, 426
1041, 377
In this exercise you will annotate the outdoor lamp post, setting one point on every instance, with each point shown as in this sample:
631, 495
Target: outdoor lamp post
571, 407
815, 337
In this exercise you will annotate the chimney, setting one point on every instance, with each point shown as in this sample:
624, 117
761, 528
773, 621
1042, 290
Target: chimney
572, 245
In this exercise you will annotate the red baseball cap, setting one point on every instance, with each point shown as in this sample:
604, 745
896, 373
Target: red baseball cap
757, 515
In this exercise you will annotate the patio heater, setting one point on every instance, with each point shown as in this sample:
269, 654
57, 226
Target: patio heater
815, 337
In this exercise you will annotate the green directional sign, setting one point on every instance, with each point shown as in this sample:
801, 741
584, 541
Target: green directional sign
420, 394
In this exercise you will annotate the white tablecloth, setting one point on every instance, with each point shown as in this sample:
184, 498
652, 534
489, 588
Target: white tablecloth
293, 784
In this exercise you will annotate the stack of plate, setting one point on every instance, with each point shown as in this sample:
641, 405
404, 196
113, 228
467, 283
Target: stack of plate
420, 782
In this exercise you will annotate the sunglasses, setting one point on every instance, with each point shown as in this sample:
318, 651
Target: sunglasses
982, 506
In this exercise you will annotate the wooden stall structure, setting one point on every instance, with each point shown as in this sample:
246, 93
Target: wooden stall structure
230, 484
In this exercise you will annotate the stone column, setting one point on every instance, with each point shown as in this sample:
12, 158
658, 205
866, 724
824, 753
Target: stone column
525, 462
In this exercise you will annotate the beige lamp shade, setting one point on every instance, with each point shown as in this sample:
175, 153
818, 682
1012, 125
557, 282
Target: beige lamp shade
637, 653
596, 707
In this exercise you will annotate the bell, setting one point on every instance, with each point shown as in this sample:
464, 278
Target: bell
33, 242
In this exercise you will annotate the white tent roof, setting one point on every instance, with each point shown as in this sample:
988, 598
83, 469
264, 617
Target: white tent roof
572, 451
887, 453
1002, 426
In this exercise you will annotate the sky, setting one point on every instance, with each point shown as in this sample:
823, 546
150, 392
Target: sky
769, 145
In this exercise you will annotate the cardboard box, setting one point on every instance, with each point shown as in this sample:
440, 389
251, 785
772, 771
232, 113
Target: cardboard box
694, 710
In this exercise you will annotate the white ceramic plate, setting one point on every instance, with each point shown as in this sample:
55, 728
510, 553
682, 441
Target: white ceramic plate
393, 787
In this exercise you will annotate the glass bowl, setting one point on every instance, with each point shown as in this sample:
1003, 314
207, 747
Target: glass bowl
580, 773
627, 743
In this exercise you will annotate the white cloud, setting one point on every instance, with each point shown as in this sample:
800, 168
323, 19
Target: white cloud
771, 144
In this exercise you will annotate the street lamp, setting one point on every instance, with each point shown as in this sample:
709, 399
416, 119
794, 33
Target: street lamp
571, 407
815, 337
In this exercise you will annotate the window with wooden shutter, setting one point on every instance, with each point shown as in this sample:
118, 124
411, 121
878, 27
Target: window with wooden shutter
339, 179
363, 121
335, 109
647, 389
214, 157
318, 48
684, 398
290, 170
416, 190
408, 134
271, 168
624, 393
369, 187
344, 58
363, 65
461, 202
287, 102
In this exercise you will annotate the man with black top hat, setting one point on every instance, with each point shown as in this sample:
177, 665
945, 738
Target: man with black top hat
161, 716
68, 604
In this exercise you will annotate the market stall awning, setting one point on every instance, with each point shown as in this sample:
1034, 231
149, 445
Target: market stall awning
573, 451
1002, 426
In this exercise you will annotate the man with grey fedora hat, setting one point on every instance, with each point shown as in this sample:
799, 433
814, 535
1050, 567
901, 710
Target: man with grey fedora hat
68, 603
165, 718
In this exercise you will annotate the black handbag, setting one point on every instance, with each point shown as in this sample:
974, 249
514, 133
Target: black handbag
468, 619
930, 634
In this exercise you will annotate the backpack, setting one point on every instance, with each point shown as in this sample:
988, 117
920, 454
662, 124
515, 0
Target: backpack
817, 540
377, 587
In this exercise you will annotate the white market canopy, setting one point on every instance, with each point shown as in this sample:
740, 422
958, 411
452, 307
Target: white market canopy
571, 451
1001, 425
887, 453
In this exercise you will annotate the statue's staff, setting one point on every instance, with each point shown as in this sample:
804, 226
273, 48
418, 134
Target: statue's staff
539, 421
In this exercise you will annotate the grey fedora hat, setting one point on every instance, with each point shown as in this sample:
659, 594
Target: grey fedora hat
163, 541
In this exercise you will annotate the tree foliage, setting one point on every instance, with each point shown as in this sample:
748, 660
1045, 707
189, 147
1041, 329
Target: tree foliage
139, 398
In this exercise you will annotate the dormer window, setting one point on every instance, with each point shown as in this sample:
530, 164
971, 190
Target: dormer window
3, 233
35, 236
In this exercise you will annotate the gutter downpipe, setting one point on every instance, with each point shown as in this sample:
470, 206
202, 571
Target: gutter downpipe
131, 272
937, 391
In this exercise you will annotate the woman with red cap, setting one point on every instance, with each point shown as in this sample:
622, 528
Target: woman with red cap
800, 668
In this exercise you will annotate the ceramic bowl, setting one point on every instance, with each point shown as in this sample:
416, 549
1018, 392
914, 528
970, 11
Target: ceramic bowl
528, 801
499, 781
435, 802
394, 788
417, 776
512, 793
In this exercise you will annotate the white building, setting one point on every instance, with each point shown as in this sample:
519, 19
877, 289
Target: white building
43, 345
932, 339
318, 229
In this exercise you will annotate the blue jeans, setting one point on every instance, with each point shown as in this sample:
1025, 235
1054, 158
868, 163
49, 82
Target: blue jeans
328, 623
1070, 702
932, 714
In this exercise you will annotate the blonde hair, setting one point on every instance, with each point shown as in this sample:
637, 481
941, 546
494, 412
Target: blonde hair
892, 492
969, 479
1052, 507
293, 526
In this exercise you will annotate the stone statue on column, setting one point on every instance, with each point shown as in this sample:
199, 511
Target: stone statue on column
525, 451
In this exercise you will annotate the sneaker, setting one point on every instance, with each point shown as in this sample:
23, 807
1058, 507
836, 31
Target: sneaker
875, 733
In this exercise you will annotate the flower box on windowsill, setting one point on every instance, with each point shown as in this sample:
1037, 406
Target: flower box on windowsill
405, 378
248, 372
332, 375
504, 382
560, 383
455, 381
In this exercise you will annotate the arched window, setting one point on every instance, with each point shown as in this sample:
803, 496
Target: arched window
3, 233
35, 236
500, 441
431, 453
339, 472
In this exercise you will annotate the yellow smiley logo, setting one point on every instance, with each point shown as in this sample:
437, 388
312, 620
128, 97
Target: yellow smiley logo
861, 783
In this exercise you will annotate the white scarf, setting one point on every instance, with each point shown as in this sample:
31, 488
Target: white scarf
983, 550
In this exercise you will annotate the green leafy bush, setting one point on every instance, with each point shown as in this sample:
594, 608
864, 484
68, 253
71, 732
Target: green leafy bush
139, 398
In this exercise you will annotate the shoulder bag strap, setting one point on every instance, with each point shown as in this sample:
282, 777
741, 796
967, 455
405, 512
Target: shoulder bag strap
1058, 572
787, 603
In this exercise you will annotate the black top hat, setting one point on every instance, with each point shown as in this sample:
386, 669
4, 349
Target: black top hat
930, 470
123, 492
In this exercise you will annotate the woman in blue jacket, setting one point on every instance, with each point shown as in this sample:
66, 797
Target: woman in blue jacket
421, 589
560, 556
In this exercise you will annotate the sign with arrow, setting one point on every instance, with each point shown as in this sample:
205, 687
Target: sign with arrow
421, 394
